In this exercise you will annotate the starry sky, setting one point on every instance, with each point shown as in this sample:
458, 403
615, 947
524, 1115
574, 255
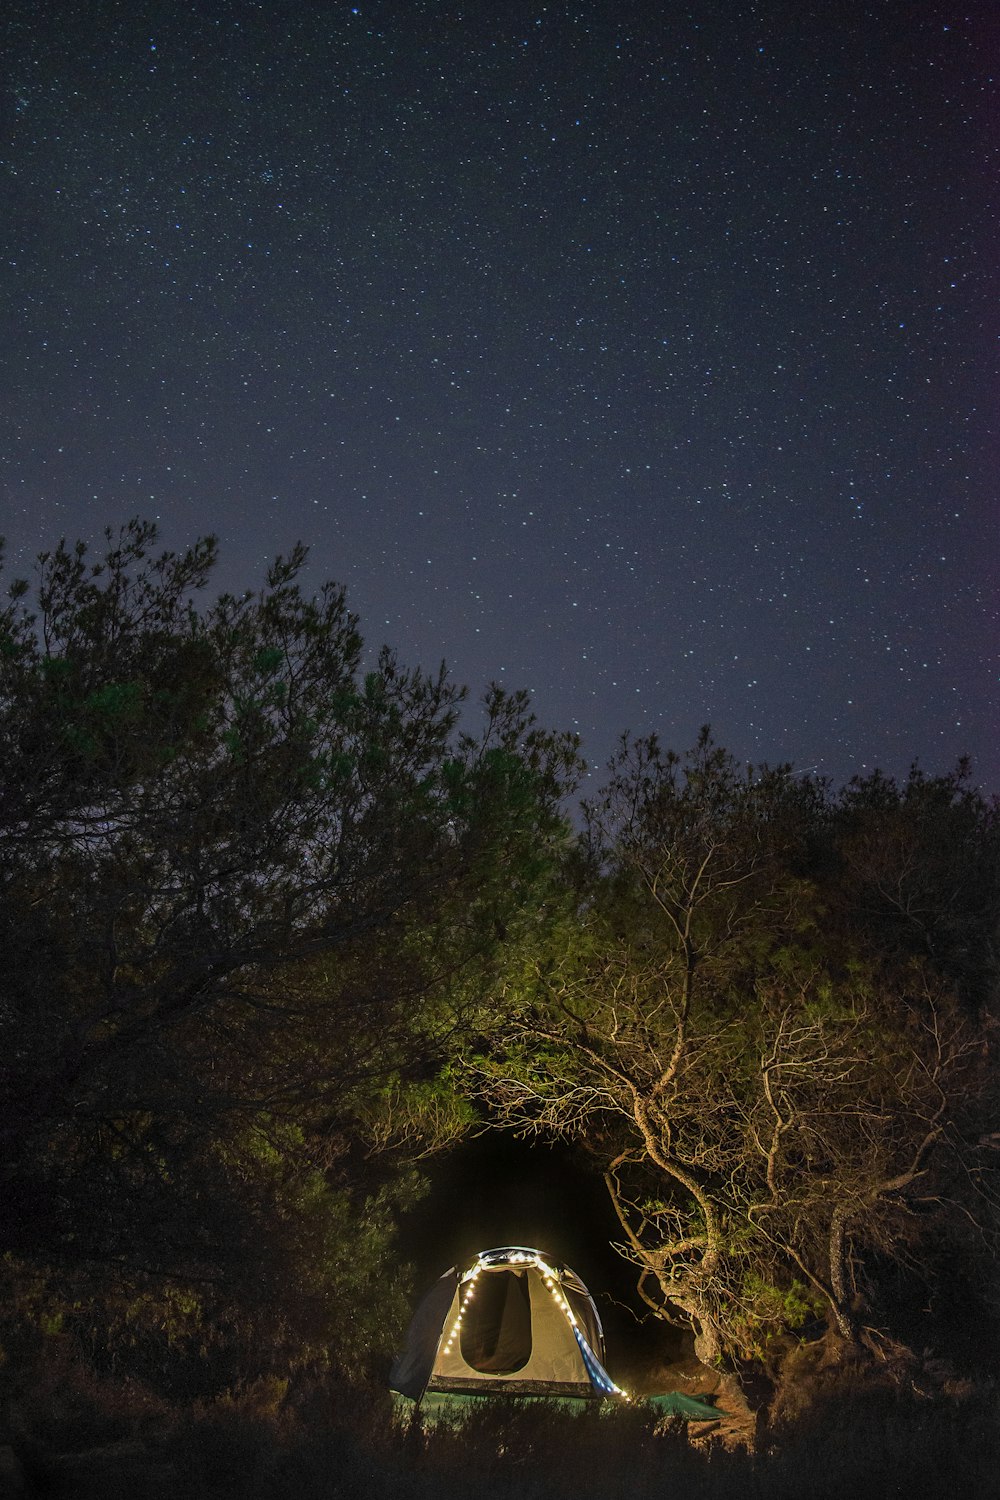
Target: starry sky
643, 355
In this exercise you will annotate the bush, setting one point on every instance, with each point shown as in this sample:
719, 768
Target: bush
320, 1440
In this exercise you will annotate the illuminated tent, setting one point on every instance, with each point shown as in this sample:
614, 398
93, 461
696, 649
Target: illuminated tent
513, 1322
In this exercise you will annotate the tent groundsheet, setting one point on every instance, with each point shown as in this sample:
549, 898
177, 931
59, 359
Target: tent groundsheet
436, 1407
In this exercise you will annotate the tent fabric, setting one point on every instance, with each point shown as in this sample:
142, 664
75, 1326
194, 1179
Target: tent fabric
513, 1322
411, 1368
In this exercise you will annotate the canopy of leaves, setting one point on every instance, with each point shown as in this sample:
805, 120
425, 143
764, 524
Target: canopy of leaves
248, 881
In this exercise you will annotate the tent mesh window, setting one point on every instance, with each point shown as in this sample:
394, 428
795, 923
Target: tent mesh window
496, 1323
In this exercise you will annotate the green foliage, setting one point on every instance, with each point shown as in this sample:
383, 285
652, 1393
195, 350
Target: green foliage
771, 1310
251, 885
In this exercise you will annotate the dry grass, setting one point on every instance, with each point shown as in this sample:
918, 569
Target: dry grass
836, 1431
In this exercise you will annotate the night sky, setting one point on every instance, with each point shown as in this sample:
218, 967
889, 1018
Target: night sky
642, 355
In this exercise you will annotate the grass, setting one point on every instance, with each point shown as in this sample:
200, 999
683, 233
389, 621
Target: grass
79, 1436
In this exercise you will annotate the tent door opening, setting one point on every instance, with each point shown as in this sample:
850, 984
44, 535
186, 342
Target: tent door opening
496, 1323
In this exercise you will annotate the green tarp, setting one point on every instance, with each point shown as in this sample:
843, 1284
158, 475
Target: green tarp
673, 1404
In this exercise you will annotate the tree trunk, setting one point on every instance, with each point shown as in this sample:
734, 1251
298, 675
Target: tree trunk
842, 1311
707, 1344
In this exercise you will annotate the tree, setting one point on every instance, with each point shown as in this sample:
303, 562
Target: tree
244, 883
773, 1086
918, 864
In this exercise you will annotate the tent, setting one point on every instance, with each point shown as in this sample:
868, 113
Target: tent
514, 1321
